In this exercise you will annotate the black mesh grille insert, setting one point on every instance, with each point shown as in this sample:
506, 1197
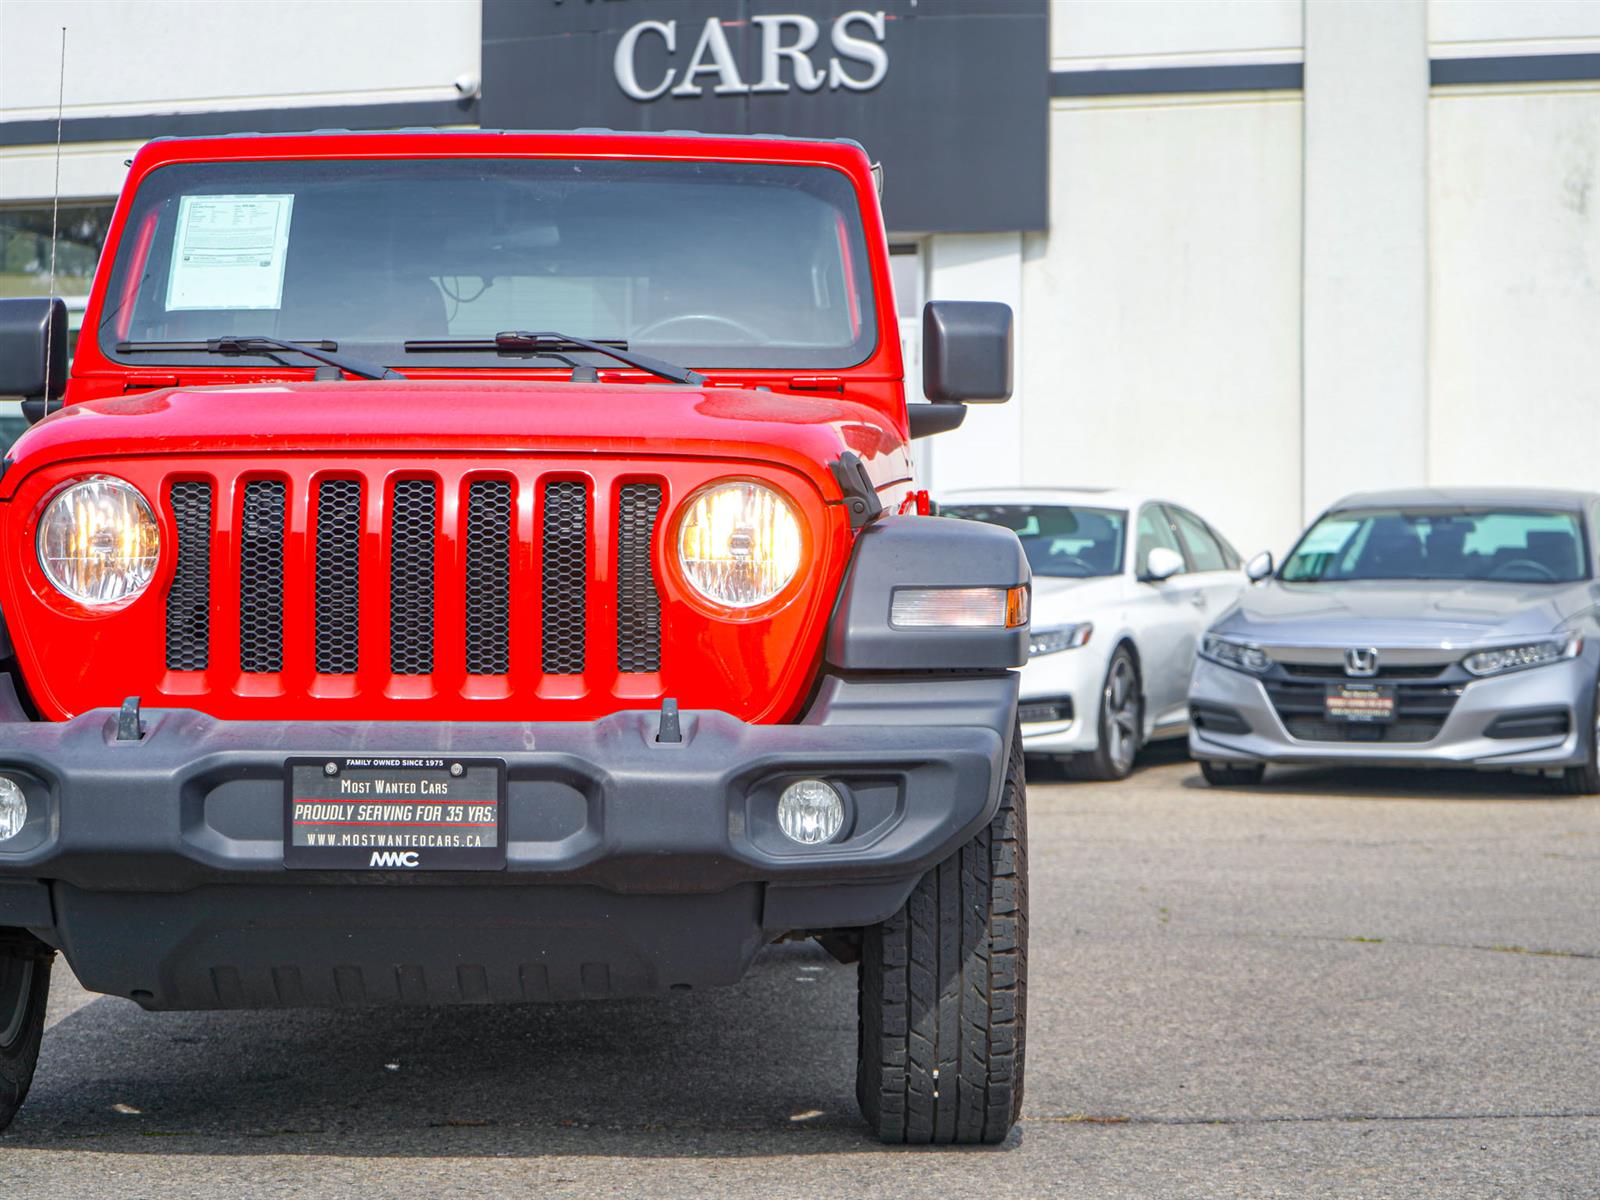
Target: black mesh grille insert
638, 602
566, 569
189, 601
338, 576
261, 578
489, 577
411, 538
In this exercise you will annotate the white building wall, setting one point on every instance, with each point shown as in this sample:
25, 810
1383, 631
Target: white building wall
127, 57
1163, 307
1365, 298
988, 446
1515, 362
1086, 34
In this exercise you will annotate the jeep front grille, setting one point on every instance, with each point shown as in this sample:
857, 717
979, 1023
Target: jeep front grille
189, 601
413, 521
489, 577
453, 558
338, 587
261, 577
638, 602
566, 571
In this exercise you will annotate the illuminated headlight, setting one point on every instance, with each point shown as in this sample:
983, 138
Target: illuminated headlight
1241, 656
1064, 637
739, 543
1532, 654
810, 812
959, 607
98, 541
13, 809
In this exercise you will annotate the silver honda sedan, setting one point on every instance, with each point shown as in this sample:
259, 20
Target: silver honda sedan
1431, 627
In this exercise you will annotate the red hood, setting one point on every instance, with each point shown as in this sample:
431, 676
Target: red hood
443, 416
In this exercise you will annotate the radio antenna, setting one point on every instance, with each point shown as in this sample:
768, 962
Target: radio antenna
55, 214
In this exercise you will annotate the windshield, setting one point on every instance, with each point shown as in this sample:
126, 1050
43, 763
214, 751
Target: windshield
1065, 541
705, 264
1508, 545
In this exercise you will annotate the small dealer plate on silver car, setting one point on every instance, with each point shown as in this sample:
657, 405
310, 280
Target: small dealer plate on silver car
1359, 703
395, 814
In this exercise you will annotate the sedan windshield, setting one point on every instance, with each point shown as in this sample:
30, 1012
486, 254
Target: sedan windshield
1507, 545
703, 264
1060, 540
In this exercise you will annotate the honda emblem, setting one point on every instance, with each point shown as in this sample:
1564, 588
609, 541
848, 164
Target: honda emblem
1361, 663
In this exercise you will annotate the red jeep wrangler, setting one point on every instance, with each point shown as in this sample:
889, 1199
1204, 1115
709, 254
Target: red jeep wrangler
485, 567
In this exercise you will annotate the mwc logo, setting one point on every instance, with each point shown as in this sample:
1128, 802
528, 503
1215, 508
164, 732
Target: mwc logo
858, 63
395, 858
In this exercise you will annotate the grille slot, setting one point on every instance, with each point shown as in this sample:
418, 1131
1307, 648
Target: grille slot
189, 601
1334, 673
638, 600
412, 521
488, 595
261, 578
565, 575
338, 586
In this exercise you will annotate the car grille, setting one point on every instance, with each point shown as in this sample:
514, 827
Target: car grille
1420, 712
1337, 674
446, 571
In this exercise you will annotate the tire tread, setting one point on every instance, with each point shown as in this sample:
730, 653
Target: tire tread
943, 992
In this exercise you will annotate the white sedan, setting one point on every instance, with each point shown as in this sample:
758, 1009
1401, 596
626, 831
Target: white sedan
1124, 586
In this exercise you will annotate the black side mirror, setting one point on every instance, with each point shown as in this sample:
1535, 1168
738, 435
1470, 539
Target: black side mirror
33, 352
966, 351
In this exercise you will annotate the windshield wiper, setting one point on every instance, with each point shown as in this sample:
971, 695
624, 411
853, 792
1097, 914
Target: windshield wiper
256, 344
551, 345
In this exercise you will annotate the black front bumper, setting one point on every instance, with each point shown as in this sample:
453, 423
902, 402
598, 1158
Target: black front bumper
633, 865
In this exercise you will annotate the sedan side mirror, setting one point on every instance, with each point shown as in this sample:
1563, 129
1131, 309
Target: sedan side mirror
1259, 567
33, 351
1162, 564
966, 351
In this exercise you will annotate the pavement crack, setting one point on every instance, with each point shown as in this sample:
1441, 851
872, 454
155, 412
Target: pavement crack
1307, 1118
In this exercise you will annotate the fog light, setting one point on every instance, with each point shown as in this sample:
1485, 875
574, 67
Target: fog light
14, 809
810, 812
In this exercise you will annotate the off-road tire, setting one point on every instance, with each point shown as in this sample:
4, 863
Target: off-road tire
24, 988
1232, 774
943, 991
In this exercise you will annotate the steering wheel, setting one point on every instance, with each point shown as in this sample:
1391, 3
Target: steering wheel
749, 332
1504, 569
1071, 560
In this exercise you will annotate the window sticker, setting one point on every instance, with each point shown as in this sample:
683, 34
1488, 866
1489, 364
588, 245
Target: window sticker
229, 252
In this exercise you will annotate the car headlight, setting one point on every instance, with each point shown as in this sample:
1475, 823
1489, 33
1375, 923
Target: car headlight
98, 541
1241, 656
739, 543
1062, 637
1530, 654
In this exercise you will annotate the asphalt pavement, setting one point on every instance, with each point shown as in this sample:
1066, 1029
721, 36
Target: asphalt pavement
1339, 984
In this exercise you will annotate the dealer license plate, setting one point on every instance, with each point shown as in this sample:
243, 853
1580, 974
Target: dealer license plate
1364, 703
395, 814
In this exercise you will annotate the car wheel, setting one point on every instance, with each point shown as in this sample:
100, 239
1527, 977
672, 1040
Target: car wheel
24, 988
943, 992
1584, 780
1121, 723
1232, 774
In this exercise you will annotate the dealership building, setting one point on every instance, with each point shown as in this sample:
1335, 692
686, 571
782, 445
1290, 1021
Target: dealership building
1262, 252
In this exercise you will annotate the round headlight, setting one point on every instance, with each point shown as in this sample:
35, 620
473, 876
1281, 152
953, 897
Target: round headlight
739, 543
98, 541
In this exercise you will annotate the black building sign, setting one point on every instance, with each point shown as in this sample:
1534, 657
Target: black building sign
951, 96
